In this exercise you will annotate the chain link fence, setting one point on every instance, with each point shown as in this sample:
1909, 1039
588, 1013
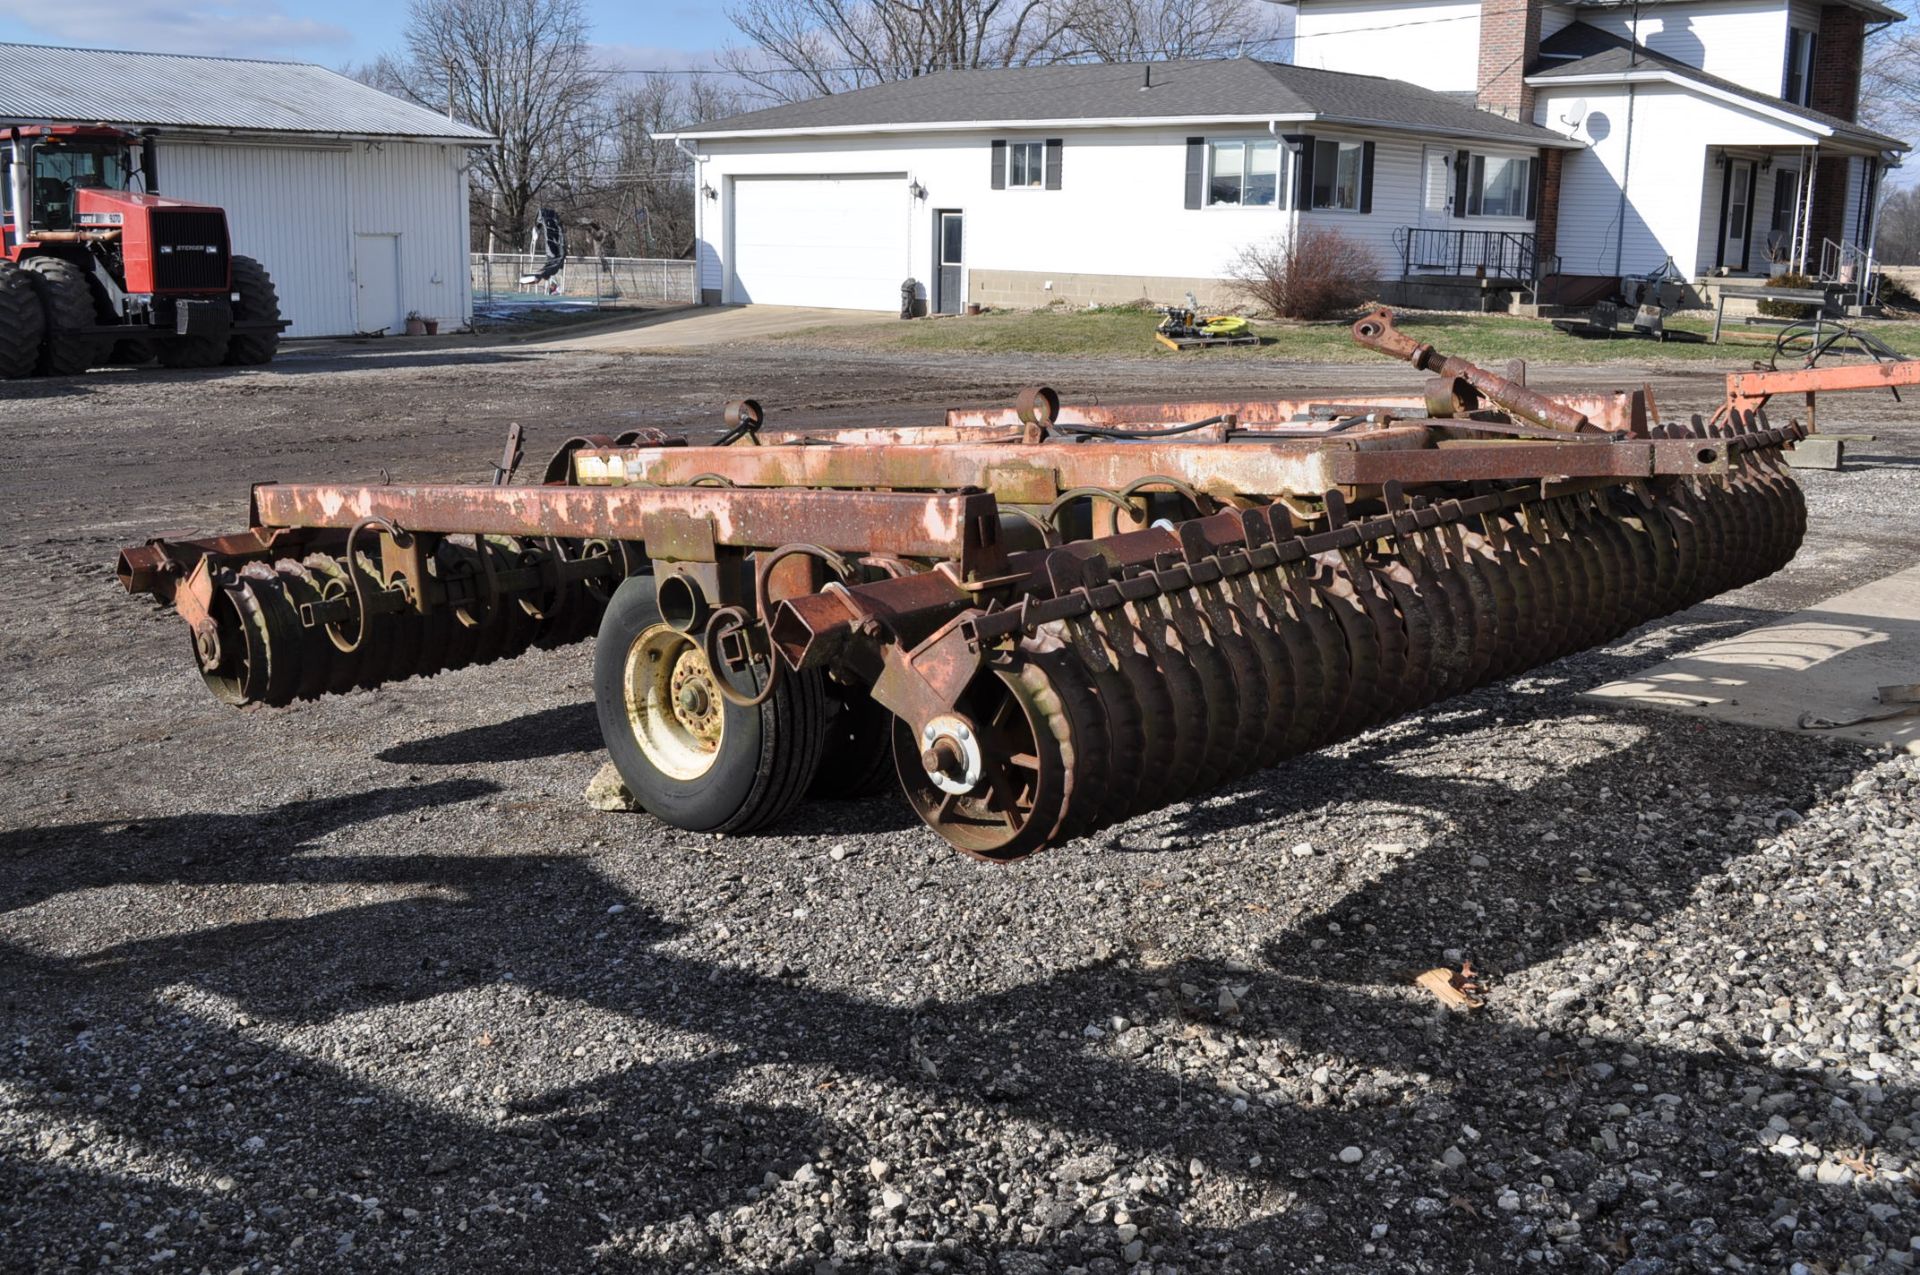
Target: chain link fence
599, 280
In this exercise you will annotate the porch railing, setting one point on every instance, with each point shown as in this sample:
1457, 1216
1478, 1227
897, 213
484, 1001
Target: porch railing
1488, 254
1852, 268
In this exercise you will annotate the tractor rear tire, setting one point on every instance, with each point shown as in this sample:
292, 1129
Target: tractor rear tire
258, 301
66, 300
22, 326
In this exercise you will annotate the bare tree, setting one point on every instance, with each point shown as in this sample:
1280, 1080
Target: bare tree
808, 48
523, 71
1898, 241
1890, 78
644, 189
1152, 30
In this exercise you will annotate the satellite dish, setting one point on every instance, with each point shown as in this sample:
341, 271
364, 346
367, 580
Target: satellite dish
1575, 113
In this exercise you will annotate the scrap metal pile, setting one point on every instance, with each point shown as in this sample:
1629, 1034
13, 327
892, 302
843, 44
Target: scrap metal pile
1039, 621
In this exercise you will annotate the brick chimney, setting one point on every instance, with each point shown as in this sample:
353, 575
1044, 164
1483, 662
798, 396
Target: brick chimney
1509, 46
1836, 91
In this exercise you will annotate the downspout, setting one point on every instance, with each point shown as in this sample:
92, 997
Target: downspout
1273, 131
699, 217
1806, 209
1868, 289
1626, 179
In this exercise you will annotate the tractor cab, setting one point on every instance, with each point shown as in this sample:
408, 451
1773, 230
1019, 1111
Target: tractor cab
47, 167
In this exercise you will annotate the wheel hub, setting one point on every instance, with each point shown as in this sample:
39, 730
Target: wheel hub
950, 753
672, 704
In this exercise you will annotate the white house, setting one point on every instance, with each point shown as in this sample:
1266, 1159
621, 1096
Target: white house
1524, 139
1096, 182
354, 201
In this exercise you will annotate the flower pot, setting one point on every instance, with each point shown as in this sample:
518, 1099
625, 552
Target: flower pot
433, 327
973, 307
416, 327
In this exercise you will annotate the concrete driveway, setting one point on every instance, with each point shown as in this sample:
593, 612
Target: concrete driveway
718, 325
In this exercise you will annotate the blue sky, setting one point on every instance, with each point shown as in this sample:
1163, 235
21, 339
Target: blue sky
333, 32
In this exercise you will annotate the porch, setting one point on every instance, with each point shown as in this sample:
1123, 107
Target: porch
1802, 210
1497, 256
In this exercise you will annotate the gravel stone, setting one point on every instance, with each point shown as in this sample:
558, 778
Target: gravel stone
363, 984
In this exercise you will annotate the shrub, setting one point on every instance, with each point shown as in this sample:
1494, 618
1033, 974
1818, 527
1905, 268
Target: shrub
1788, 309
1315, 274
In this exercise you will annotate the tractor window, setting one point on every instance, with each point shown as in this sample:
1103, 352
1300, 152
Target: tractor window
58, 171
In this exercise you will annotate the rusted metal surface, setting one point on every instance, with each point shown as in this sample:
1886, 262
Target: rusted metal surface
1053, 615
850, 521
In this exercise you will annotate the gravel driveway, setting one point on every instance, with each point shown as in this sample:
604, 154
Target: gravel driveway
363, 985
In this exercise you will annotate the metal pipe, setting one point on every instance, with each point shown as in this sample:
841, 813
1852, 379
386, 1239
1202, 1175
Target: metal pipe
18, 171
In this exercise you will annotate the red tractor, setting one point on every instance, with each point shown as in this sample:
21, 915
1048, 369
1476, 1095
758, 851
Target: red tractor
94, 271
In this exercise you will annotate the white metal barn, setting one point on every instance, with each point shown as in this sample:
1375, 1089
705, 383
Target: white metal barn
355, 201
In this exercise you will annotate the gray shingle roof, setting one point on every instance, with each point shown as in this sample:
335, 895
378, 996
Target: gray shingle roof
1581, 49
1191, 89
39, 83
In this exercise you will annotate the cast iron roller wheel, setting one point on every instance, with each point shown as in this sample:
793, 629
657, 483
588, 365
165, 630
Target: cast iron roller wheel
66, 301
258, 301
998, 790
22, 326
691, 757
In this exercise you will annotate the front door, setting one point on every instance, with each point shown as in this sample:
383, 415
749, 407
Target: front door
1736, 213
1786, 206
376, 275
948, 243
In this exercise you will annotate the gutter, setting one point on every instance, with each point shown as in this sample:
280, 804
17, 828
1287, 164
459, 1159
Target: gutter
281, 136
1546, 138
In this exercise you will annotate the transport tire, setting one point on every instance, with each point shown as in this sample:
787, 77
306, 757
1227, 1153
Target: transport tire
689, 756
257, 301
856, 757
66, 302
22, 325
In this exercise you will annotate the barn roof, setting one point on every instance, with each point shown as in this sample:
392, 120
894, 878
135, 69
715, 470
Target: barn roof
40, 83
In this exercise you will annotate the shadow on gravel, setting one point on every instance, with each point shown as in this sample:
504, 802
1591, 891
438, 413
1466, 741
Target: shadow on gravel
551, 732
224, 849
565, 1155
704, 1075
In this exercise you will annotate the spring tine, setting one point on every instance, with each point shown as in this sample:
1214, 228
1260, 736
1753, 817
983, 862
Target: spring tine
1218, 684
1258, 660
1279, 643
1413, 626
1081, 728
1326, 668
1482, 623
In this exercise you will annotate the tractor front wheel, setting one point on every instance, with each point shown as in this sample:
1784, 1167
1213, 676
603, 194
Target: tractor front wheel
258, 301
21, 324
691, 757
66, 301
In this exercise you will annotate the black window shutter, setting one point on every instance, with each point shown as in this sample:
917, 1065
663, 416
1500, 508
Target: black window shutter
1536, 171
1196, 171
1813, 52
1462, 174
1054, 147
1746, 235
1302, 144
999, 165
1366, 177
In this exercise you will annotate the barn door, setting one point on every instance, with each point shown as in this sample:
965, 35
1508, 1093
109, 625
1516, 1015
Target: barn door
376, 275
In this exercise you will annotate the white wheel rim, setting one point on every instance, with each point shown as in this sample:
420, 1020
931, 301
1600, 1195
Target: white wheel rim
673, 706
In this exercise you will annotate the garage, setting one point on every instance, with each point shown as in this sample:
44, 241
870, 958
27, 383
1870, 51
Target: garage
833, 241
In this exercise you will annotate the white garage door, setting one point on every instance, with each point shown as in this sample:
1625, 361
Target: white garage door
839, 242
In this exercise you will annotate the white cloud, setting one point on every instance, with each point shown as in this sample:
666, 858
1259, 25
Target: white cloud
215, 27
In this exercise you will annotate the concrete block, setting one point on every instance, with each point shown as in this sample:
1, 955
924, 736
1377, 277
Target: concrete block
1817, 452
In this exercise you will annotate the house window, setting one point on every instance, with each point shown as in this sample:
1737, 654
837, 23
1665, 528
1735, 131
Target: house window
1497, 186
1338, 171
1799, 85
1026, 165
1243, 174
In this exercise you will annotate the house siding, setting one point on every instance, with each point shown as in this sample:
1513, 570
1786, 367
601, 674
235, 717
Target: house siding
1740, 40
1119, 220
1366, 37
1669, 179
